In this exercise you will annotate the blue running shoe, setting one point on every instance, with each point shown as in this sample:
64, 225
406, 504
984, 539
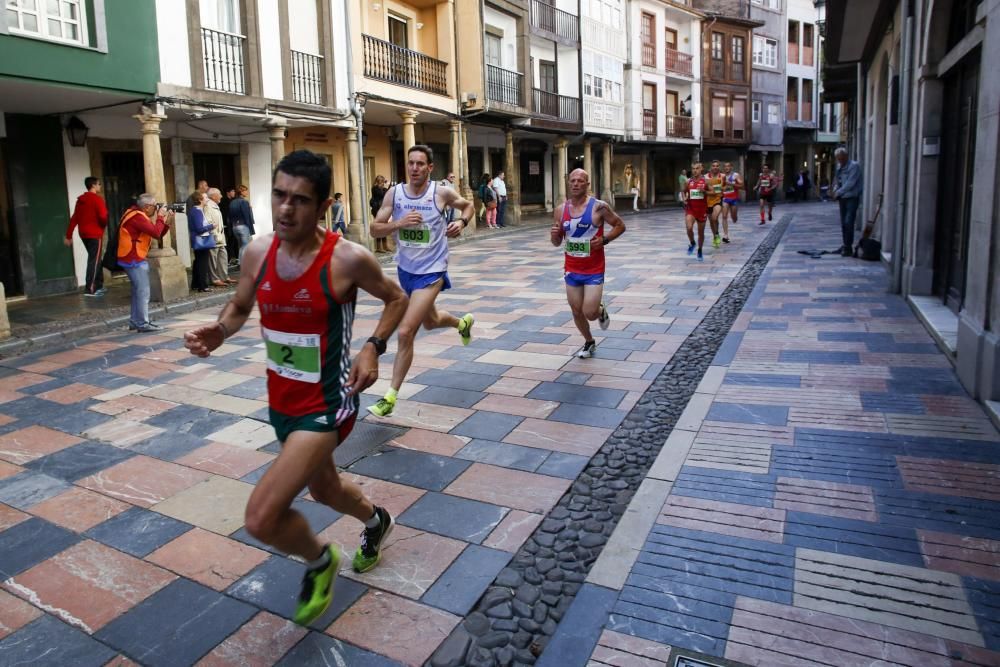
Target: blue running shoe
701, 257
691, 249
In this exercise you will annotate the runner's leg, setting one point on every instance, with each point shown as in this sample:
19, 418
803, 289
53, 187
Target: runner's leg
575, 297
689, 223
592, 295
421, 304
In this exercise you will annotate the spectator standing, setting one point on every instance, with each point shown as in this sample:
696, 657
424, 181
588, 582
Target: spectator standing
202, 242
374, 204
682, 182
847, 189
337, 213
489, 198
218, 266
448, 182
500, 188
140, 224
803, 185
202, 188
90, 217
241, 219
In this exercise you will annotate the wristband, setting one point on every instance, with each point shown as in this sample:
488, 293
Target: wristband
465, 222
225, 330
605, 241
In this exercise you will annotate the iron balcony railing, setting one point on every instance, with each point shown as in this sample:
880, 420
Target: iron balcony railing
680, 62
648, 54
307, 78
387, 62
680, 127
649, 122
504, 86
562, 24
223, 56
566, 109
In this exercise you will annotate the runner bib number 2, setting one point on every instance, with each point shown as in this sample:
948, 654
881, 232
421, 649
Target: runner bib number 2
293, 356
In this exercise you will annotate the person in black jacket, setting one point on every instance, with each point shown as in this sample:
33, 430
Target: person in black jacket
241, 219
199, 227
375, 203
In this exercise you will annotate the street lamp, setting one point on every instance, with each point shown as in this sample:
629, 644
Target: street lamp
77, 132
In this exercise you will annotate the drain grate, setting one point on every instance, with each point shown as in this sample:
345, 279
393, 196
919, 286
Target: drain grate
365, 438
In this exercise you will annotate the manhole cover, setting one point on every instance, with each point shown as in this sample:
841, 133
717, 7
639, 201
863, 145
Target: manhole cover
364, 439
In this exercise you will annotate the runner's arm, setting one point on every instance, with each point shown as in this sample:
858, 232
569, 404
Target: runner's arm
203, 340
611, 218
450, 198
556, 232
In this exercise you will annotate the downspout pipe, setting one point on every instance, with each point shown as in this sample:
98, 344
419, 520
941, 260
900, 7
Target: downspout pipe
359, 119
905, 91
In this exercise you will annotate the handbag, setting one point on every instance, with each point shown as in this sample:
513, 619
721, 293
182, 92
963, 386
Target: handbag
203, 242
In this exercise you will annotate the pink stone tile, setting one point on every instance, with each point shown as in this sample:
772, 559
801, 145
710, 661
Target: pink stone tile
43, 367
145, 369
509, 488
430, 442
560, 437
537, 374
635, 646
427, 416
9, 469
70, 357
964, 655
166, 355
514, 405
15, 613
6, 419
513, 530
406, 631
209, 559
33, 442
412, 560
262, 642
954, 478
757, 523
226, 460
961, 554
72, 393
512, 386
133, 407
625, 384
79, 509
396, 498
10, 517
102, 346
22, 380
623, 369
143, 481
90, 584
848, 501
121, 661
8, 396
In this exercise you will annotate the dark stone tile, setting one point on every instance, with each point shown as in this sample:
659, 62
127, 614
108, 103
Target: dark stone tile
447, 378
632, 344
138, 531
30, 542
745, 413
318, 515
320, 649
818, 357
653, 371
503, 454
533, 337
43, 387
587, 415
465, 580
487, 425
251, 389
47, 642
176, 625
425, 471
567, 466
758, 325
79, 461
462, 353
466, 520
193, 420
539, 322
479, 367
75, 419
763, 380
254, 476
569, 377
29, 488
274, 586
904, 404
645, 327
169, 445
727, 350
577, 393
864, 539
456, 398
578, 632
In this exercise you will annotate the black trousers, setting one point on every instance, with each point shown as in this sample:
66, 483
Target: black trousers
199, 269
95, 274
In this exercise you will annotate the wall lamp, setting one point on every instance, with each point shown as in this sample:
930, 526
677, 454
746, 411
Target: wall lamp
77, 132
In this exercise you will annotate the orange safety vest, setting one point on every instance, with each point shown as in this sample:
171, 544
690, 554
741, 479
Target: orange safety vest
126, 242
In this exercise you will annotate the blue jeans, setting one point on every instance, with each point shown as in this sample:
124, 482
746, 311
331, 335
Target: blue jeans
243, 236
139, 277
501, 209
848, 214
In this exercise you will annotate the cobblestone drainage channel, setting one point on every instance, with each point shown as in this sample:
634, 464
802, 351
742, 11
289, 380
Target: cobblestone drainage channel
519, 612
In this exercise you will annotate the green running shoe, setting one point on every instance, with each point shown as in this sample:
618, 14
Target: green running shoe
383, 408
465, 328
369, 553
716, 242
317, 590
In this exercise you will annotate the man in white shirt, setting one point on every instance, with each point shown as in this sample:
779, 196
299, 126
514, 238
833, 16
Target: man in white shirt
218, 267
500, 187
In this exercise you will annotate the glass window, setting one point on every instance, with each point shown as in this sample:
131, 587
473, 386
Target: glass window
738, 50
719, 113
756, 111
398, 32
739, 117
598, 87
773, 114
60, 20
223, 15
765, 51
716, 46
493, 51
588, 85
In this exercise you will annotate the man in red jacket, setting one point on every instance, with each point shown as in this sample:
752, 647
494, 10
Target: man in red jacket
91, 217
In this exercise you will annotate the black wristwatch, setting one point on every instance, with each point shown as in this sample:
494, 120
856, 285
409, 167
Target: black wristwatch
379, 344
465, 222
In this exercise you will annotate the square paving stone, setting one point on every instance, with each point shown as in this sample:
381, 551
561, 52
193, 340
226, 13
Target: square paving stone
319, 649
217, 504
169, 446
745, 413
209, 559
487, 425
571, 377
143, 481
509, 488
480, 368
567, 466
30, 488
29, 543
457, 398
460, 353
466, 520
252, 389
577, 393
318, 515
75, 420
48, 642
818, 357
194, 420
33, 442
79, 461
79, 509
576, 637
262, 641
426, 471
138, 531
503, 454
177, 625
274, 585
588, 415
463, 583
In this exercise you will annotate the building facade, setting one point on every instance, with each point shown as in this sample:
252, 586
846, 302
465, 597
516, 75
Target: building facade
802, 94
767, 106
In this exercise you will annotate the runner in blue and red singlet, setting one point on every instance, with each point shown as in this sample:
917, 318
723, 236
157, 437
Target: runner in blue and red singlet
696, 208
578, 225
306, 281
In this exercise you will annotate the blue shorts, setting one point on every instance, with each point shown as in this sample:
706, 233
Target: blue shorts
414, 281
581, 279
731, 202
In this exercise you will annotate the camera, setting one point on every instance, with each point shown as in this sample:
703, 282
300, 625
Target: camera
176, 207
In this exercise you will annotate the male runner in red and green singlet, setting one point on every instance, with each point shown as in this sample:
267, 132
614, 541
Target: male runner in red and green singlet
306, 281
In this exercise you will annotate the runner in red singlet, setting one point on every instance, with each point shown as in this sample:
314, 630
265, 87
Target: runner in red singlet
767, 183
306, 280
696, 209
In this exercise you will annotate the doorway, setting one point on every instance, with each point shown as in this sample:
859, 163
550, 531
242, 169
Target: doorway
10, 266
532, 177
219, 169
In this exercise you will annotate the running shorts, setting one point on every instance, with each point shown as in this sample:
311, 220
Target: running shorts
285, 425
581, 279
767, 196
414, 281
731, 202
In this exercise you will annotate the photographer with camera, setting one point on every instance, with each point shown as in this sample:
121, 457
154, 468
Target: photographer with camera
140, 224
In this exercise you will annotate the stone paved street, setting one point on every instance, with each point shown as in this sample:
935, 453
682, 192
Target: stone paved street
827, 497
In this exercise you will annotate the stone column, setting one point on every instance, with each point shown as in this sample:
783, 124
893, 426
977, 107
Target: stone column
466, 185
455, 151
486, 162
168, 279
4, 319
650, 179
561, 146
513, 211
644, 184
606, 194
276, 131
588, 162
355, 228
811, 160
409, 129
